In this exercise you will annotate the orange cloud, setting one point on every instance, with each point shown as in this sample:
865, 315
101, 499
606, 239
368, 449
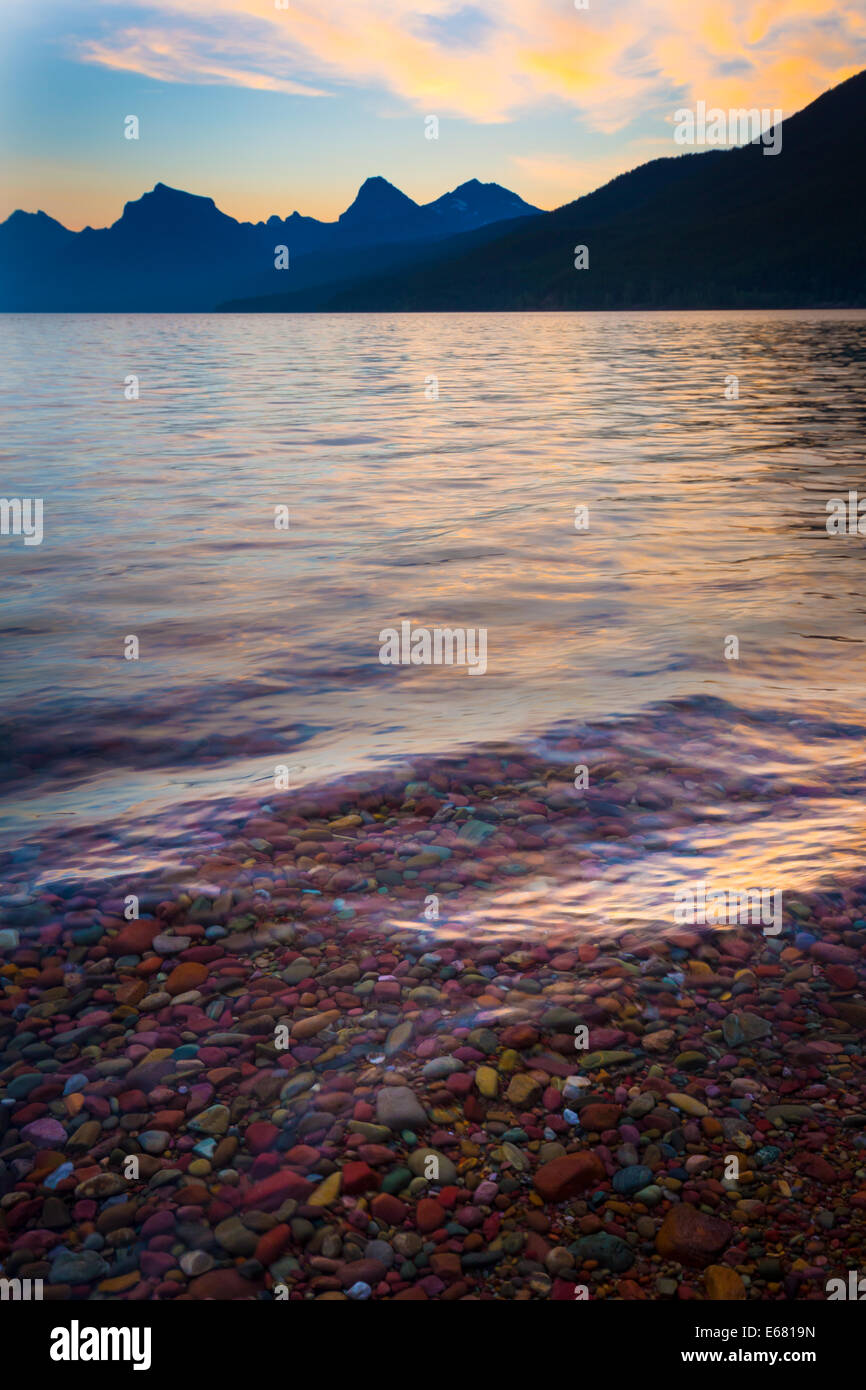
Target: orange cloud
493, 59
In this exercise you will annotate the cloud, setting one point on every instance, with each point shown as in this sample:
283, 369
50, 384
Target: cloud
177, 55
494, 59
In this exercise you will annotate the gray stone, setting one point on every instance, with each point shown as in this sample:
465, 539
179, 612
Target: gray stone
77, 1267
399, 1108
379, 1250
631, 1179
194, 1262
441, 1067
417, 1161
741, 1028
234, 1236
610, 1252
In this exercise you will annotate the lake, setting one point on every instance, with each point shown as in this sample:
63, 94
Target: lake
610, 498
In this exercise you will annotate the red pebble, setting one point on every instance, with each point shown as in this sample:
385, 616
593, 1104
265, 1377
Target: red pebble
429, 1215
842, 976
272, 1244
388, 1209
359, 1177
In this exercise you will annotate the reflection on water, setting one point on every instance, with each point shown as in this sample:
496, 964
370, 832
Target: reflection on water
260, 647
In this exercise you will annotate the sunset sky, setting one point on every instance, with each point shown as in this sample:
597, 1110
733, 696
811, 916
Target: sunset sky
268, 109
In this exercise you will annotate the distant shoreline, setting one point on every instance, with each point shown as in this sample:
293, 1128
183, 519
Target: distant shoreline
389, 313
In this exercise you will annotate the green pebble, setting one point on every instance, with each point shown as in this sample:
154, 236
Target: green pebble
690, 1061
396, 1180
649, 1196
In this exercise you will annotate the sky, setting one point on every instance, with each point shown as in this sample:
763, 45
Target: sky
273, 106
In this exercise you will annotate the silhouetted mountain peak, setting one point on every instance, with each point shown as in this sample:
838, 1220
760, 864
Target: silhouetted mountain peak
714, 228
33, 230
164, 207
378, 199
165, 194
21, 218
475, 204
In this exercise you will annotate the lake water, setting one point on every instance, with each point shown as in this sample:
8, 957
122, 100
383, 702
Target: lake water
260, 647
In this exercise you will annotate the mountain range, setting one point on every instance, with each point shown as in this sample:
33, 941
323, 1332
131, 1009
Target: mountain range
733, 228
175, 251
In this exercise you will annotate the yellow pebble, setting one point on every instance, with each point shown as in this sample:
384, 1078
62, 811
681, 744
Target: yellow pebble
327, 1191
487, 1082
724, 1283
121, 1282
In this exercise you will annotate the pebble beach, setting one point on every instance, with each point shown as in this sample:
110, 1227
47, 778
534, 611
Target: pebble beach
329, 979
329, 1060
